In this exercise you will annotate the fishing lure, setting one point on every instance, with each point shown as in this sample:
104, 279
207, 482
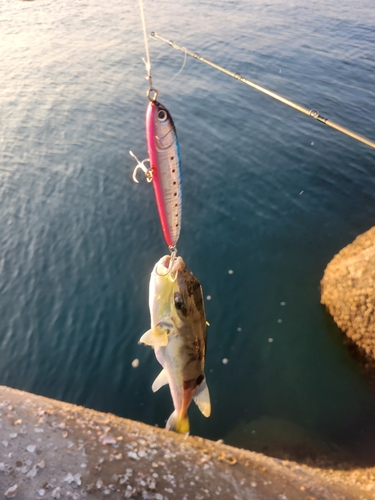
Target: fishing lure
165, 169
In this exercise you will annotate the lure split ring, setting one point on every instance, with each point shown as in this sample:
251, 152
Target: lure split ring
152, 94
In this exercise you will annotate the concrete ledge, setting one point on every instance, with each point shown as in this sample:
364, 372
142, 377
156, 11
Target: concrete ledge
55, 450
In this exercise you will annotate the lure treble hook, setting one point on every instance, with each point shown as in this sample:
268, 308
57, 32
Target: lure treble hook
141, 165
173, 272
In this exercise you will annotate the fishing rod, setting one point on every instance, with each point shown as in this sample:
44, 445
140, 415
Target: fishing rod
313, 113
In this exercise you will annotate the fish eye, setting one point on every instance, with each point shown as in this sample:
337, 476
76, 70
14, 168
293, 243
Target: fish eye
162, 115
178, 301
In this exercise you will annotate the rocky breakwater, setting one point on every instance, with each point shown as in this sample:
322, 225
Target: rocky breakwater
348, 292
55, 450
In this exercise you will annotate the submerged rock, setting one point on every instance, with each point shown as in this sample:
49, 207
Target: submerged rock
348, 292
285, 440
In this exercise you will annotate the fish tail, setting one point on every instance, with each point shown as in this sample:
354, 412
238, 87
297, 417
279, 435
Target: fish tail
178, 423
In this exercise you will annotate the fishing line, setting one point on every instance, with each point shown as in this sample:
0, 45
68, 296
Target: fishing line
146, 61
179, 73
152, 93
309, 112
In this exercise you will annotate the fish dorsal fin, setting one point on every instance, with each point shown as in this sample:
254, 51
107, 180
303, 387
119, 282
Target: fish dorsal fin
160, 380
202, 398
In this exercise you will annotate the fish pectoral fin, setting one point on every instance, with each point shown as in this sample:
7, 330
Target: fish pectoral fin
202, 398
160, 380
154, 339
157, 336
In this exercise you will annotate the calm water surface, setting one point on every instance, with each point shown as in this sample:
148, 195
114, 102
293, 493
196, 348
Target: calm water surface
268, 194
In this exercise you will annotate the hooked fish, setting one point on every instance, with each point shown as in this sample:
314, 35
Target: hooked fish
178, 336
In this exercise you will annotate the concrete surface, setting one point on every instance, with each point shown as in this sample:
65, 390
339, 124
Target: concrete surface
55, 450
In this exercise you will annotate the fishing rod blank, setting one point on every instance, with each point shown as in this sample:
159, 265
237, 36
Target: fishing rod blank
309, 112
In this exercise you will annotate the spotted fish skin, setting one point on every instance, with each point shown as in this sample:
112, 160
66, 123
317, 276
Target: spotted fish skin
178, 336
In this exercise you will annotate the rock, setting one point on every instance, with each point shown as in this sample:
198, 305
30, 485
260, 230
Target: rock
348, 292
283, 439
32, 472
12, 491
108, 440
73, 480
56, 494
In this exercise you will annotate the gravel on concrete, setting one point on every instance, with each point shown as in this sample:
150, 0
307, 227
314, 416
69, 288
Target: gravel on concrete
55, 450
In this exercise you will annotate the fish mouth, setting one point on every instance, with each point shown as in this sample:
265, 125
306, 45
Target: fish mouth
166, 265
162, 267
165, 261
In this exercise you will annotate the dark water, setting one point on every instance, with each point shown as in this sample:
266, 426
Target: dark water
268, 193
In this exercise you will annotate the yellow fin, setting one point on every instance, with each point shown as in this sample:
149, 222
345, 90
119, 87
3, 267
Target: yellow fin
154, 338
180, 425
